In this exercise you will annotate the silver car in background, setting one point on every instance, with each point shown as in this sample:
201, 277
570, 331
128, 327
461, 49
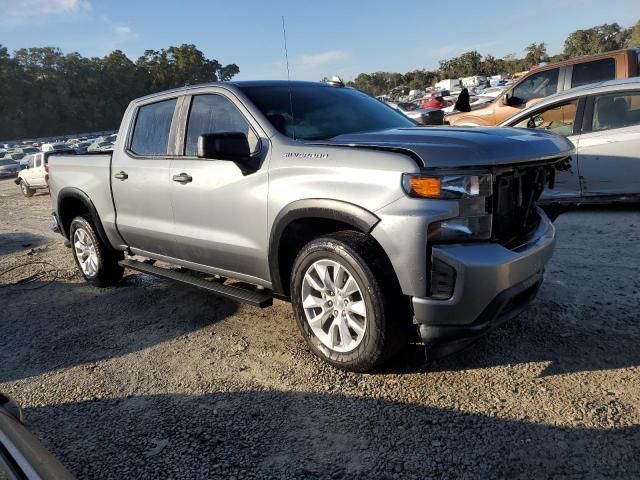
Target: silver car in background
603, 121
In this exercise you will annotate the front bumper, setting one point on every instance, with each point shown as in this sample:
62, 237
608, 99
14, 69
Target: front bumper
493, 284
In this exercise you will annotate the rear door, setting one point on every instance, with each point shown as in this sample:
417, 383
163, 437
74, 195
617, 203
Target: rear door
28, 171
219, 209
38, 173
140, 179
610, 145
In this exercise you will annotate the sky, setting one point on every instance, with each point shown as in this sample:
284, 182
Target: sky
324, 37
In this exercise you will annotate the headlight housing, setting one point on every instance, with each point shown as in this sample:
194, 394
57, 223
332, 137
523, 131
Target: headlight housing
455, 185
470, 189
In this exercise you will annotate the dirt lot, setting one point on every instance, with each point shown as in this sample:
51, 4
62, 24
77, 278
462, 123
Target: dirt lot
155, 380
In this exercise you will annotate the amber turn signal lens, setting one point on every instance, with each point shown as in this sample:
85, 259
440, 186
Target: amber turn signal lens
426, 187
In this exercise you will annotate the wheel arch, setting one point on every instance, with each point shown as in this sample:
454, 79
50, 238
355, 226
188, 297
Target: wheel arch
302, 220
73, 202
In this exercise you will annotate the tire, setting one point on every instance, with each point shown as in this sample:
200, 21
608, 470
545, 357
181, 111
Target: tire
26, 191
102, 269
370, 339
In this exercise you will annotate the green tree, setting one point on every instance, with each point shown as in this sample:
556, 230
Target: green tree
45, 92
634, 36
465, 65
536, 53
599, 39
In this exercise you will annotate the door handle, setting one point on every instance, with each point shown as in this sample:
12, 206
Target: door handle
182, 178
121, 176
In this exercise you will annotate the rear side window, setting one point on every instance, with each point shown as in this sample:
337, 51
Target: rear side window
151, 131
537, 85
215, 114
592, 72
616, 110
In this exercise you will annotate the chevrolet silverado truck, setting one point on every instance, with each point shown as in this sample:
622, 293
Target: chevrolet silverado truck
378, 231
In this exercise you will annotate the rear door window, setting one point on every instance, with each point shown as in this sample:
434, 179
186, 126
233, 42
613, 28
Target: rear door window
593, 72
537, 85
152, 128
616, 110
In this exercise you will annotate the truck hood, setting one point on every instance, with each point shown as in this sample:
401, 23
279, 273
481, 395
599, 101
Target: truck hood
462, 147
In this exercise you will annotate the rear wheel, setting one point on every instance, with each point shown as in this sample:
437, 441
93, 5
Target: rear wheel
347, 309
26, 190
97, 262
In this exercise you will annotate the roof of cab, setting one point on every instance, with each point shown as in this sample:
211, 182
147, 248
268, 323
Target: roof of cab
239, 84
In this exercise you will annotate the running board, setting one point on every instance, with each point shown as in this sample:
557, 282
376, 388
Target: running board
257, 299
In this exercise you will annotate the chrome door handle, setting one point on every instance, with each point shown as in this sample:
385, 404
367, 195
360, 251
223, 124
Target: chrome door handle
182, 178
121, 176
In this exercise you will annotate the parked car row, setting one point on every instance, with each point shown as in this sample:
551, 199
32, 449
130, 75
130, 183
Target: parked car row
28, 162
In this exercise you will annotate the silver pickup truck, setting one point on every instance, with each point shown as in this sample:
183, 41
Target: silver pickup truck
377, 230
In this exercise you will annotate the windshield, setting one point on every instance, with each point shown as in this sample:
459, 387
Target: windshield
5, 162
323, 112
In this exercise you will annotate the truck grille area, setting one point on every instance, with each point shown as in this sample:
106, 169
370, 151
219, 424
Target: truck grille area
513, 203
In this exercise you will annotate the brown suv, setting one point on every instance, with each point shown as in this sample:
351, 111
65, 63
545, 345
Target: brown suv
550, 79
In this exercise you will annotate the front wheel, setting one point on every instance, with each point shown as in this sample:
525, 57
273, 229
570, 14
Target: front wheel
97, 262
348, 310
26, 191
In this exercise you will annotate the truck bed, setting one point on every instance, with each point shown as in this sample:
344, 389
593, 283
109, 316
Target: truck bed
88, 175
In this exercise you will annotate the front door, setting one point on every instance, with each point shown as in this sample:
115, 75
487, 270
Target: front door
610, 152
220, 211
140, 181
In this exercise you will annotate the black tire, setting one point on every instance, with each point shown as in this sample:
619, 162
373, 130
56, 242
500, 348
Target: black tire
388, 314
26, 190
108, 271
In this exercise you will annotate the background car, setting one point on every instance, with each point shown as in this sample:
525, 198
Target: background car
435, 102
603, 122
423, 116
551, 79
8, 168
36, 175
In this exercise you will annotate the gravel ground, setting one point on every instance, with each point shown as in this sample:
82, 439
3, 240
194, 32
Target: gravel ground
155, 380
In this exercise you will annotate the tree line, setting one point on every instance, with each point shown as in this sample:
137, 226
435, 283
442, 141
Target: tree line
46, 93
599, 39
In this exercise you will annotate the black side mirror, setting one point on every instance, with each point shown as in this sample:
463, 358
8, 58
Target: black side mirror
232, 146
512, 101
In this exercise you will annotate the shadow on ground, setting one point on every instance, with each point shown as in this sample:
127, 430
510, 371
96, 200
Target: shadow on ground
16, 242
65, 324
303, 435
